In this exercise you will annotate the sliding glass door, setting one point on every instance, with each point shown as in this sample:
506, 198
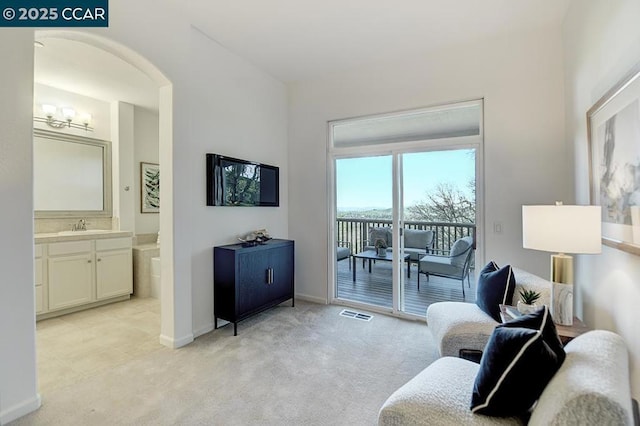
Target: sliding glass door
405, 189
438, 207
364, 207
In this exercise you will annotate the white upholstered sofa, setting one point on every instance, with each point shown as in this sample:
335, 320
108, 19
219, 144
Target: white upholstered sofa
460, 326
591, 388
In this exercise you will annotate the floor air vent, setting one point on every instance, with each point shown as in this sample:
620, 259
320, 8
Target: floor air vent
356, 315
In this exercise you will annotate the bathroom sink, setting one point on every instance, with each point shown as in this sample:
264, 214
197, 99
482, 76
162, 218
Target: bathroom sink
87, 232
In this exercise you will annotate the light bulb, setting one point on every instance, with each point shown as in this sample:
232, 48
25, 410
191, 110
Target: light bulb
68, 113
49, 110
86, 118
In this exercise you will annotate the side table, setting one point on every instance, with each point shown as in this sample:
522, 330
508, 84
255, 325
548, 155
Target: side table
565, 332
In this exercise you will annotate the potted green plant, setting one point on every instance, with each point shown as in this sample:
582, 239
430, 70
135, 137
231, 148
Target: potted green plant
381, 247
527, 302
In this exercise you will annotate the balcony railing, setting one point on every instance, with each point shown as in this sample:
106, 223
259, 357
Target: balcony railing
355, 231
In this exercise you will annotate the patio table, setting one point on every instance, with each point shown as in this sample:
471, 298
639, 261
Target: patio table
373, 255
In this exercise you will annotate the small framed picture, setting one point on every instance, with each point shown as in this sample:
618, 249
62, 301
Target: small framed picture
150, 188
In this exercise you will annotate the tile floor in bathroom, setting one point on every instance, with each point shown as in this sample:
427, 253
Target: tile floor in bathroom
75, 346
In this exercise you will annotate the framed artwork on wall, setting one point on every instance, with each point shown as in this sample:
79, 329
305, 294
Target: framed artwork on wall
150, 188
613, 131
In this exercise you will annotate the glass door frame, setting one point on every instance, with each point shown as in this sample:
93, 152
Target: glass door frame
396, 150
332, 264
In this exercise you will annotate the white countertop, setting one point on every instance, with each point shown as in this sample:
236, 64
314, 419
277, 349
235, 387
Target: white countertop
90, 234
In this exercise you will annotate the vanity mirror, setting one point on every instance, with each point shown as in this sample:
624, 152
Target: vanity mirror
72, 175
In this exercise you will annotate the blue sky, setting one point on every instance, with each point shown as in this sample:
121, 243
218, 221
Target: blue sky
366, 182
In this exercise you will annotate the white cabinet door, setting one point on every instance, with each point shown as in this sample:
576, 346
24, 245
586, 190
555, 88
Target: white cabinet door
114, 274
39, 279
70, 280
39, 300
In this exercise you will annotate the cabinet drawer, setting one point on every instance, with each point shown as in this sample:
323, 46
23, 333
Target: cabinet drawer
38, 271
69, 247
113, 243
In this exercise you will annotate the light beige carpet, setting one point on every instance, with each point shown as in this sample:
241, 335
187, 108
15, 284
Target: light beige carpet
288, 366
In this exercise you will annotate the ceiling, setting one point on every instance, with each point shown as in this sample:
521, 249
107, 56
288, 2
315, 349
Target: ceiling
295, 40
77, 67
300, 39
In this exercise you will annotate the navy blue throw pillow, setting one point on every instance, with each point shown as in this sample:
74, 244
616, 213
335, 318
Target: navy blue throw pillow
495, 286
519, 360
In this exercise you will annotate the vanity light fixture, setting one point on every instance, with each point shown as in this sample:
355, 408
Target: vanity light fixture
68, 115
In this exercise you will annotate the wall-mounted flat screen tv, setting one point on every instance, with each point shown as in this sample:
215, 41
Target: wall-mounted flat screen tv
235, 182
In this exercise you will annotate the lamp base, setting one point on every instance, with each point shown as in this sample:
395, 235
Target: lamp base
562, 289
562, 303
562, 268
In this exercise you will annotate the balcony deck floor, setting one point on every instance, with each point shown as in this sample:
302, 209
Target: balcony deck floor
375, 288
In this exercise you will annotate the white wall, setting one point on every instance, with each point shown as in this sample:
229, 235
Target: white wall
239, 111
146, 148
602, 44
219, 102
17, 313
520, 78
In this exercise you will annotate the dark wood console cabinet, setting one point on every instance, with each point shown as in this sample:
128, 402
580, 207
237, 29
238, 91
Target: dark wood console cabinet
248, 280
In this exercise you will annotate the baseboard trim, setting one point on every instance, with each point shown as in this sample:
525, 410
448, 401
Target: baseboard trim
175, 343
312, 299
20, 410
203, 330
65, 311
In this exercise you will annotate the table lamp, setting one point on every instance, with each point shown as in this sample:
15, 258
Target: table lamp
565, 230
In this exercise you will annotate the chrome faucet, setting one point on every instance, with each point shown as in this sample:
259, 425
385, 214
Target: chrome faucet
80, 226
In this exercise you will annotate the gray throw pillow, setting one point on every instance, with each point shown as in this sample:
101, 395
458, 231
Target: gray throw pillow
383, 233
417, 238
457, 249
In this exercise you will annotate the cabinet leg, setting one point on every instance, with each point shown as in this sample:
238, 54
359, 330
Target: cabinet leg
235, 328
215, 322
293, 302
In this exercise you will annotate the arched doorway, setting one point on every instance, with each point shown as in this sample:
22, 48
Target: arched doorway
165, 136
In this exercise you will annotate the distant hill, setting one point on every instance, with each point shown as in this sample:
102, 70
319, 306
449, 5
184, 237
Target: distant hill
369, 213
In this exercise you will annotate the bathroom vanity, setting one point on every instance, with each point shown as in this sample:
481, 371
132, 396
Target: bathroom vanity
76, 270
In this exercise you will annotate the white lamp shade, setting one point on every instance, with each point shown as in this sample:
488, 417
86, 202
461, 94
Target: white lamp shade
68, 113
86, 118
49, 110
562, 229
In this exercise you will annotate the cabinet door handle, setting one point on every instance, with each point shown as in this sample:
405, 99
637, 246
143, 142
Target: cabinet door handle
88, 261
271, 269
99, 260
269, 275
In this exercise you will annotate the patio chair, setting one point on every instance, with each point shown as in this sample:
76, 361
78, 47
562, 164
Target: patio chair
454, 264
343, 251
